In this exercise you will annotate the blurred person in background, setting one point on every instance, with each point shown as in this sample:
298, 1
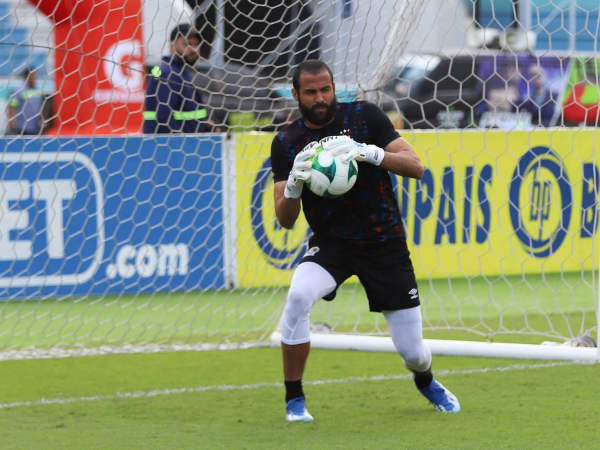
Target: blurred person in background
506, 97
173, 103
26, 107
538, 96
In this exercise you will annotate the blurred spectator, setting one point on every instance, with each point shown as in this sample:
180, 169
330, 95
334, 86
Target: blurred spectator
173, 103
503, 108
506, 97
26, 107
538, 96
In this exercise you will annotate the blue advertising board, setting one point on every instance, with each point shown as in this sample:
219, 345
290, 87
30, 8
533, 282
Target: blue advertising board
92, 216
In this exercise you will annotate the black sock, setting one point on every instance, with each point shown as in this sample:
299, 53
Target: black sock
423, 379
293, 389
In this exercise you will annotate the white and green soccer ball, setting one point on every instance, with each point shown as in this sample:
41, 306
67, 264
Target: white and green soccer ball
329, 176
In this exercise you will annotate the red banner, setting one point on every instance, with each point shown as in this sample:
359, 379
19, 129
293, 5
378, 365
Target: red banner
99, 73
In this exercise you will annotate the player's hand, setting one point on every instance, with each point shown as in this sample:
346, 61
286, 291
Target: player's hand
338, 145
300, 171
302, 163
365, 152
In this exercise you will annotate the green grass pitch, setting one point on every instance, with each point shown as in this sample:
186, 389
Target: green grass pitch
234, 400
479, 309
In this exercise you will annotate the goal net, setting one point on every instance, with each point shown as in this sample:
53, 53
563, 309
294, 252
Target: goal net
112, 240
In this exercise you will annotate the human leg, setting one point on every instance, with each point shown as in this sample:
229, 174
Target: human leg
406, 328
309, 283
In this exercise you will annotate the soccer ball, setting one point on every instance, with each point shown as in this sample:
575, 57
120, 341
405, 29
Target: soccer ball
329, 176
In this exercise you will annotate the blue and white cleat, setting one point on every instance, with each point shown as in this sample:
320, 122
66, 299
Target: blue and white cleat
441, 398
297, 412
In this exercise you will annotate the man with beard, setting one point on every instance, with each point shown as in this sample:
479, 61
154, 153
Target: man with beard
360, 233
173, 103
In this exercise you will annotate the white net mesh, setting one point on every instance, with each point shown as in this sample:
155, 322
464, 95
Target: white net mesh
114, 240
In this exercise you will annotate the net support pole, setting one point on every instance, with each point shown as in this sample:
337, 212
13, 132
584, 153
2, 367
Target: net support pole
217, 56
524, 15
598, 305
573, 25
451, 348
229, 211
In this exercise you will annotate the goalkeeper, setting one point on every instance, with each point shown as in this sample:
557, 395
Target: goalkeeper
359, 234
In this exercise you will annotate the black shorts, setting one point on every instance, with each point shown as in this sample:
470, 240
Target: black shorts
383, 268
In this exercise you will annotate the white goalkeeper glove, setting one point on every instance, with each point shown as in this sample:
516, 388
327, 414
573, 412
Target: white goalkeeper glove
365, 152
348, 149
300, 171
338, 145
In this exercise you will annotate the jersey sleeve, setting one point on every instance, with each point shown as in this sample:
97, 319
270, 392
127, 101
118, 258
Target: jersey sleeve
382, 128
279, 162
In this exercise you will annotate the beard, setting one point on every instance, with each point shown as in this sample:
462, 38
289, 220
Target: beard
191, 60
322, 117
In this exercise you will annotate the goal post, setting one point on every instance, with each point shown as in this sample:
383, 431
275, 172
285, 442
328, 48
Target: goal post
450, 348
116, 241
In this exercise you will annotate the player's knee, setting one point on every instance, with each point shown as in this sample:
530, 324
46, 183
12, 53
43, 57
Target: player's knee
299, 303
417, 358
296, 317
410, 355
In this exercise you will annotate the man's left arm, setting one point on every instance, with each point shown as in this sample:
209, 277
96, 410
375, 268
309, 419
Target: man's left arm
390, 150
401, 159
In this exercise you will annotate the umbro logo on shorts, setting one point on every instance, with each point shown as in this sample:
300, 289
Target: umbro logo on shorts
413, 293
312, 251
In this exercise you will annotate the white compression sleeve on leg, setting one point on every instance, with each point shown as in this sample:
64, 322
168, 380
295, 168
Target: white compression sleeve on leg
309, 283
406, 328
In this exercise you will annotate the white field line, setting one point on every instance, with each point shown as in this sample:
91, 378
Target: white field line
231, 387
53, 353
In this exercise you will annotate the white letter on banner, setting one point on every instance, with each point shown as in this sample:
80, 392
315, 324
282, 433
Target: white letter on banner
13, 220
168, 257
146, 261
54, 193
125, 269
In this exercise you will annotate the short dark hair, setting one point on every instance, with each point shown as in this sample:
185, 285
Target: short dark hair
312, 67
26, 72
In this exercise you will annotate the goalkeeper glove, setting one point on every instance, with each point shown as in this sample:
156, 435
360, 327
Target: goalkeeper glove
300, 171
338, 145
365, 152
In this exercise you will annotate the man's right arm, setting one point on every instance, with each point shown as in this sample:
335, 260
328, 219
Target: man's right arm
288, 192
287, 210
289, 180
